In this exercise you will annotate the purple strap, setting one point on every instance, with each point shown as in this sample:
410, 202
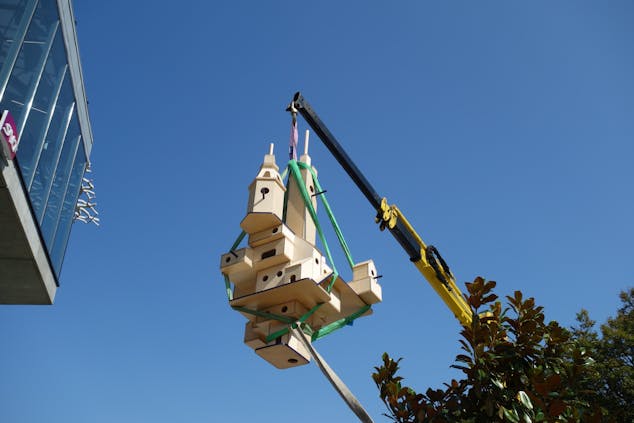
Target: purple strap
292, 145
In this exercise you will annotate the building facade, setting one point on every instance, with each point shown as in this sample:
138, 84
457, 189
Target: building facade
44, 106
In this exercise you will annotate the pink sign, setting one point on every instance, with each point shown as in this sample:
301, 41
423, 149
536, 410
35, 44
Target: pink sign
9, 135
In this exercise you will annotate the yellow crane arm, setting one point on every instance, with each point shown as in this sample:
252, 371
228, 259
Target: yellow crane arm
430, 265
425, 258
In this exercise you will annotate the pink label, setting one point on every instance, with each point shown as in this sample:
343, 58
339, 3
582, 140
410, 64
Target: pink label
9, 135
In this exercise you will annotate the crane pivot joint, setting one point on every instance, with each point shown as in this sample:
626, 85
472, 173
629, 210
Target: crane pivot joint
386, 216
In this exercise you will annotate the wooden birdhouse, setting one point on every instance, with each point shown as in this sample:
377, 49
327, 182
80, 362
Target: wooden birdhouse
364, 282
266, 198
298, 217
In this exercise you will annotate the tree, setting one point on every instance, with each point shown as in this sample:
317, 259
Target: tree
611, 383
516, 366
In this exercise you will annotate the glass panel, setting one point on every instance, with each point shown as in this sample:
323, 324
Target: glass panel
37, 76
56, 253
51, 149
10, 14
14, 17
32, 136
60, 182
30, 60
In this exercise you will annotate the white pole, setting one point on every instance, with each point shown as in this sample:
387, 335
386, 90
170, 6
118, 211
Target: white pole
306, 142
271, 149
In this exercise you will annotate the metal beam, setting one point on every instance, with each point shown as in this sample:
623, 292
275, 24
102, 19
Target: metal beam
400, 232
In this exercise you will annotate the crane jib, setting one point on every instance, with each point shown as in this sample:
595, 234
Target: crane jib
399, 231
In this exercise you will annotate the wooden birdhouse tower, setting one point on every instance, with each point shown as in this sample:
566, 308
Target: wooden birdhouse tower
266, 198
281, 276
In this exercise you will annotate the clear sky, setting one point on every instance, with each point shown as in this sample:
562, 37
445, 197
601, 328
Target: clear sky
504, 130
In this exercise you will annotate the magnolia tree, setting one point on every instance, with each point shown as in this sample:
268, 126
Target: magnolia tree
516, 368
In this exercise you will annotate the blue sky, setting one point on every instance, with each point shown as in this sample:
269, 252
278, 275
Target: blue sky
503, 130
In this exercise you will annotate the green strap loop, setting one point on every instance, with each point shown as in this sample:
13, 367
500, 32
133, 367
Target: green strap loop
328, 329
238, 241
227, 281
264, 314
320, 333
301, 320
331, 215
292, 164
277, 334
228, 288
309, 313
304, 327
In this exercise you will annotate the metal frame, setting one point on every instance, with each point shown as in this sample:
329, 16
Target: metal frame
62, 136
67, 235
407, 241
50, 112
36, 83
61, 205
67, 20
12, 54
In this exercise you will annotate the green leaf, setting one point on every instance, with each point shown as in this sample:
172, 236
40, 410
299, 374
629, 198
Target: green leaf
464, 359
511, 415
497, 383
525, 400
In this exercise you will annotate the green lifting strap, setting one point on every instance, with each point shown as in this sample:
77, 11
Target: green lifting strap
294, 171
331, 215
228, 288
320, 333
273, 336
238, 241
301, 320
328, 329
292, 164
265, 314
233, 247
